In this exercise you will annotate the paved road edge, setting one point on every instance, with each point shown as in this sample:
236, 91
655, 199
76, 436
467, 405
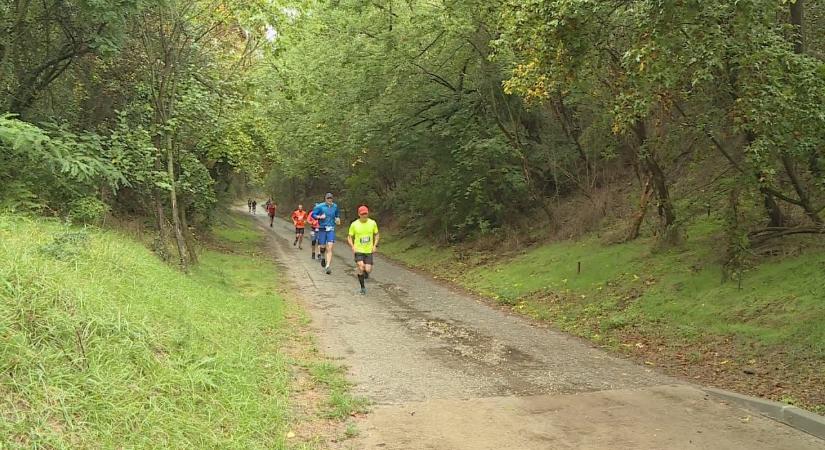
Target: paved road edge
800, 419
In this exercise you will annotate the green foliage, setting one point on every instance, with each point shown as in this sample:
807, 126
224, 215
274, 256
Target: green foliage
51, 166
724, 72
87, 210
405, 115
106, 346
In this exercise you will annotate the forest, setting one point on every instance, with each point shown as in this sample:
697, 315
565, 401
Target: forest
454, 119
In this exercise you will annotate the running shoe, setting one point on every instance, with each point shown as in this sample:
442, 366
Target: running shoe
363, 291
328, 270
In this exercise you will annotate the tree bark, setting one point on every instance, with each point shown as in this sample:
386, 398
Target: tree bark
638, 219
187, 234
571, 129
657, 178
183, 253
775, 216
801, 192
797, 17
163, 232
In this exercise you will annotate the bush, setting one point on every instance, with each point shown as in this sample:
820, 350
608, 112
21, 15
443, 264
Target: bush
88, 210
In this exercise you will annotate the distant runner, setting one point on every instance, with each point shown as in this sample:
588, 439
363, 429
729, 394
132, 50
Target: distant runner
299, 217
249, 205
328, 216
271, 207
254, 205
363, 239
313, 232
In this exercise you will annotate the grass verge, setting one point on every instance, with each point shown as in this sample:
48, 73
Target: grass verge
105, 346
666, 308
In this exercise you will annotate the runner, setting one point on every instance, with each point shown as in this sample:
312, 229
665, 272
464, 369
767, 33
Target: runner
271, 207
328, 216
363, 239
299, 217
254, 205
249, 205
313, 232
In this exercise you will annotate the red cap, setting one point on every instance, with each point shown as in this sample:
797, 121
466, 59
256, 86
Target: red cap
363, 210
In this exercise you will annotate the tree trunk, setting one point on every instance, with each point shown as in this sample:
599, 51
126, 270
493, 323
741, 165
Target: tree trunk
797, 16
657, 177
572, 130
163, 232
644, 201
804, 197
775, 216
187, 234
183, 253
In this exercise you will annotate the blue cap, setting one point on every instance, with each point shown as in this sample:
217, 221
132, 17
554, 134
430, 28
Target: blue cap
328, 195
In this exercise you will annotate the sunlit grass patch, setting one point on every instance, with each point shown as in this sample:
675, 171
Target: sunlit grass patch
341, 403
103, 345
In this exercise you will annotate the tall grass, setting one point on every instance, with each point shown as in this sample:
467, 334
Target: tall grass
101, 345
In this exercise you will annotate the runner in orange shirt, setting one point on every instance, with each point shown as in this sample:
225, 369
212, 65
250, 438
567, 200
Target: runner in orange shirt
299, 217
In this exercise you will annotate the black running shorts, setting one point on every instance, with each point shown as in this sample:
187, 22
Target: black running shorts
366, 257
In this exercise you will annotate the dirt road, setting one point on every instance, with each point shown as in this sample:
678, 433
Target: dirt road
445, 371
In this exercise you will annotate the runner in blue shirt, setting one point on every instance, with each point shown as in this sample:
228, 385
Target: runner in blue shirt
328, 216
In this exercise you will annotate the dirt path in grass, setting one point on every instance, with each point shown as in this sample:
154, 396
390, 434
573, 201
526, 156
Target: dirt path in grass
445, 371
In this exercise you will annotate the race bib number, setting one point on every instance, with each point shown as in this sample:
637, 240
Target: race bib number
329, 228
366, 240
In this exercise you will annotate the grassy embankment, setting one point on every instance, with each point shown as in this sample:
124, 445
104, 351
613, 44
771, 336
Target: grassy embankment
667, 308
105, 346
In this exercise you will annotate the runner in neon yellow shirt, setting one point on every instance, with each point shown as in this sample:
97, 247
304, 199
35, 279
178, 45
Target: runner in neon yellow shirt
363, 239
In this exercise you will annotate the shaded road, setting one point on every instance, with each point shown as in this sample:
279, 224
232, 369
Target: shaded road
445, 371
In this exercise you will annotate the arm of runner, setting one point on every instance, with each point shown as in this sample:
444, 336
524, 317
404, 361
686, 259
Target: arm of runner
317, 211
375, 238
350, 238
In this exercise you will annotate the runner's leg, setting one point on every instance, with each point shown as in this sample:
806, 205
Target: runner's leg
329, 254
322, 247
314, 236
359, 263
368, 262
